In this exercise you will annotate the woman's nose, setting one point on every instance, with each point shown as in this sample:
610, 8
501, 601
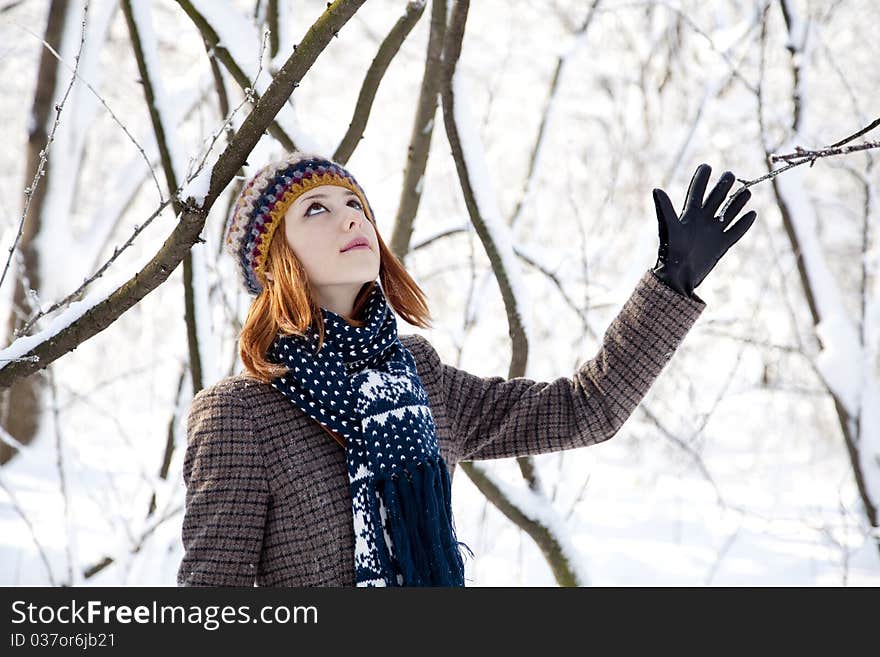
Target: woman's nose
354, 217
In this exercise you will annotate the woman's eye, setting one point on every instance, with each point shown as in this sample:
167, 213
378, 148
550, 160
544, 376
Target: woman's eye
313, 205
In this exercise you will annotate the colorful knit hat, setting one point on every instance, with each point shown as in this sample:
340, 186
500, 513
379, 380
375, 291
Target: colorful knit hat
264, 200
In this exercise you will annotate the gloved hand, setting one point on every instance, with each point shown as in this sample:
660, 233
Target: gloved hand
692, 244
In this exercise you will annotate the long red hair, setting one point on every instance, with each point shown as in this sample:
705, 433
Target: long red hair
287, 304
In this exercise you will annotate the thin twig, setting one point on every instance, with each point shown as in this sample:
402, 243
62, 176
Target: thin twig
861, 132
806, 156
62, 479
44, 154
17, 507
811, 155
138, 229
226, 126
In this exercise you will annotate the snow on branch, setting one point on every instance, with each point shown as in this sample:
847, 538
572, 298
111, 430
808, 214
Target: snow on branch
479, 196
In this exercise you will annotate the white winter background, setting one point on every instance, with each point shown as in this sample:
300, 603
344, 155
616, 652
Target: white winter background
734, 472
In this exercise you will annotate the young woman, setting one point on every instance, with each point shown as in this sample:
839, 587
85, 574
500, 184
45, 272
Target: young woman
329, 461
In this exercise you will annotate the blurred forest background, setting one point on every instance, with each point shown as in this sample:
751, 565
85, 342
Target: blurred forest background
513, 176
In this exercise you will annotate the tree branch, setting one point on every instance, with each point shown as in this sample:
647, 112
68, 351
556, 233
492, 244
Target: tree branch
420, 135
564, 571
53, 345
387, 51
161, 132
212, 38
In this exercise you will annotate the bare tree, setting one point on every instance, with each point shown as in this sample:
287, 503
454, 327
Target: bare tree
654, 90
834, 327
24, 396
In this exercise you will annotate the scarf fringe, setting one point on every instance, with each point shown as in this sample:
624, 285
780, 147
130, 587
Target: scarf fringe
419, 520
381, 547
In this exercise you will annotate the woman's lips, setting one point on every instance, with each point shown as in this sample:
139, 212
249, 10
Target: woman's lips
357, 248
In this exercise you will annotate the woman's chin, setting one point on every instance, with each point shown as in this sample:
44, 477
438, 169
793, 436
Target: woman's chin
361, 268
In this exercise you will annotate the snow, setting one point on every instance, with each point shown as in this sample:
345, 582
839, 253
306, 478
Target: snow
840, 353
797, 29
74, 311
841, 361
141, 13
199, 186
539, 509
78, 115
241, 39
208, 346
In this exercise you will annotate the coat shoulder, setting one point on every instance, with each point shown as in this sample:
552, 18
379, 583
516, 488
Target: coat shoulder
427, 360
243, 387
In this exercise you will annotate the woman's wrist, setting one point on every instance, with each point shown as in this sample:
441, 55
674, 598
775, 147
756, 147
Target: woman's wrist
662, 274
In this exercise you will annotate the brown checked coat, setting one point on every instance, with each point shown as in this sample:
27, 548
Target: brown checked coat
267, 491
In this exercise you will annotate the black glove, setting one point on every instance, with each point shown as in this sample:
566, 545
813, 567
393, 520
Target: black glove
692, 244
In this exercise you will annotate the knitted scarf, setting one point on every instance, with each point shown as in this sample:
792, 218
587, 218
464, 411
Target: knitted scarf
363, 384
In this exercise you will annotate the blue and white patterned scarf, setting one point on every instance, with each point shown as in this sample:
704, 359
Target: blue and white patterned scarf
364, 386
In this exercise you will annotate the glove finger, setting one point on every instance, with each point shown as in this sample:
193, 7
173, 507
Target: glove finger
737, 203
664, 207
697, 188
662, 229
737, 230
719, 193
666, 215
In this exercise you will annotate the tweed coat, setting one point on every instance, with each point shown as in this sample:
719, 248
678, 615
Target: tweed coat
267, 490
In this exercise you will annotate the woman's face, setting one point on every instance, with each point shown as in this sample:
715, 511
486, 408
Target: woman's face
318, 226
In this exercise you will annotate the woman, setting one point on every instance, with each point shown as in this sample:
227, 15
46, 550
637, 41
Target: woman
329, 461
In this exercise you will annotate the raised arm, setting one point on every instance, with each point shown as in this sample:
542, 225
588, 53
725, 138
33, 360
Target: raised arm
493, 417
226, 493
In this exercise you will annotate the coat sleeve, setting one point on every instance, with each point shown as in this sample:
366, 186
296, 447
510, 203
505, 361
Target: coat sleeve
495, 418
226, 493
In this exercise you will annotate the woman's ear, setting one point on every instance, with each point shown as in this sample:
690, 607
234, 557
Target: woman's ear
269, 277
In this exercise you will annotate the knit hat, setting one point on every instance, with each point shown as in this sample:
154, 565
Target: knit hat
264, 200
